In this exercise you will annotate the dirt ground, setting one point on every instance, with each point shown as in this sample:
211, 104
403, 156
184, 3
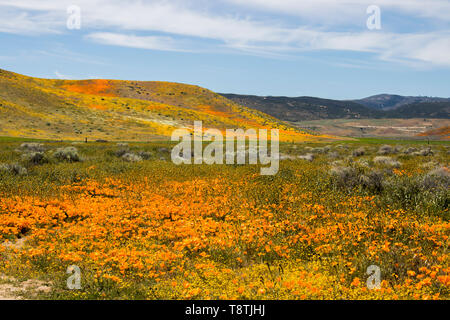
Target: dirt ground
14, 289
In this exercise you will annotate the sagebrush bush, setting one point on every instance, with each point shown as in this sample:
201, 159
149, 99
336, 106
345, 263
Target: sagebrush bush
69, 154
319, 150
131, 157
387, 149
387, 161
438, 178
373, 181
32, 147
410, 150
308, 157
283, 156
344, 177
333, 155
123, 148
422, 195
426, 152
145, 155
359, 152
35, 158
14, 168
121, 152
363, 163
429, 165
350, 177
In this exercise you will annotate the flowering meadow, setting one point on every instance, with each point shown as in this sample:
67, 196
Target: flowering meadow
148, 229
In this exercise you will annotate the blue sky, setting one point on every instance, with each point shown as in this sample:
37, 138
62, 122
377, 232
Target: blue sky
318, 48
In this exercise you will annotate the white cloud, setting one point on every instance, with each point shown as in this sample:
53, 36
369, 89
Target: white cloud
19, 22
146, 42
176, 25
326, 12
62, 76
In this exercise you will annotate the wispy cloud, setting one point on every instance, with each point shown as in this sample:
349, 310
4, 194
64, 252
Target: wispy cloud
331, 12
141, 42
62, 76
175, 25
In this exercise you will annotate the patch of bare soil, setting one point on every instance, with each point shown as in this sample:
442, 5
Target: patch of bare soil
14, 289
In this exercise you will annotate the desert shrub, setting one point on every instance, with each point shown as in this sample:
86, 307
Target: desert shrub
436, 179
123, 149
344, 177
429, 165
145, 155
333, 155
426, 152
338, 163
308, 157
421, 195
359, 152
363, 163
18, 169
410, 150
387, 161
319, 150
426, 194
350, 177
121, 152
14, 168
69, 154
32, 147
283, 156
35, 158
131, 157
423, 152
387, 149
373, 181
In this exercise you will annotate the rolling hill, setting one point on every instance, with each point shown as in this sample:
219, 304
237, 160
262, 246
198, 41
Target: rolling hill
435, 110
305, 108
120, 110
309, 108
392, 101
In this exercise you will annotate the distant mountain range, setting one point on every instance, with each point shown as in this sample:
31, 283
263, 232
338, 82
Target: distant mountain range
377, 107
392, 101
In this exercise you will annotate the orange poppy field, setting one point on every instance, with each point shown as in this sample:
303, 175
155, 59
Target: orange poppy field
149, 229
